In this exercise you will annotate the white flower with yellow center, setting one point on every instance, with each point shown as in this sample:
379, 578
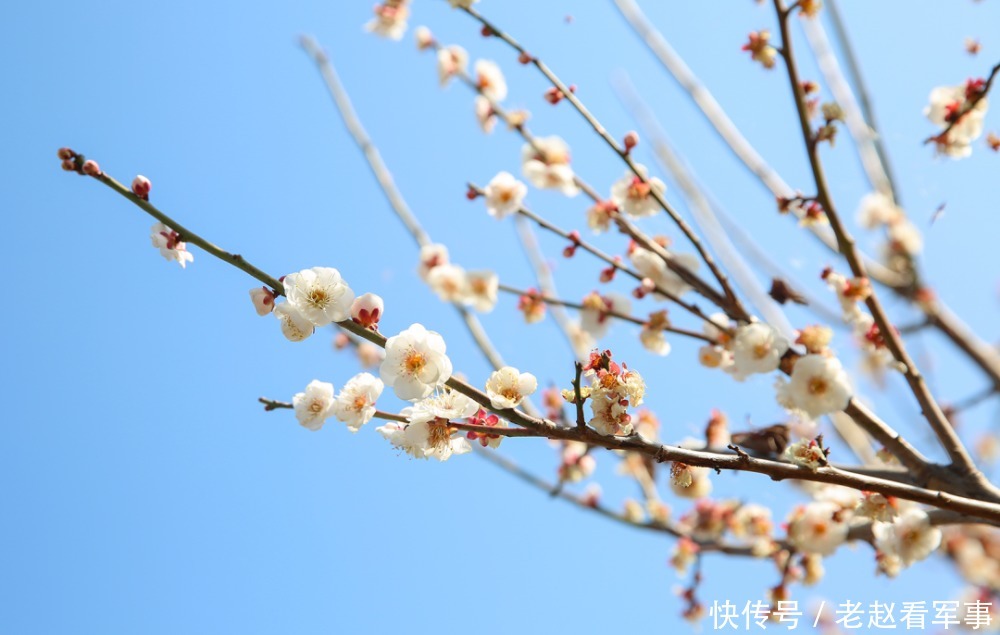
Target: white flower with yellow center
312, 407
415, 363
910, 537
508, 387
320, 295
449, 282
818, 386
355, 404
490, 80
504, 195
428, 433
634, 196
294, 325
481, 290
757, 348
451, 60
818, 527
546, 165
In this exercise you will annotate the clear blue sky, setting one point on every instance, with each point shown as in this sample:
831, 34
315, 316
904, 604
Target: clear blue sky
145, 490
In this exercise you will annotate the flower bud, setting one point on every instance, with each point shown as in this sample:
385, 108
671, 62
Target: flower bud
367, 310
631, 140
424, 37
262, 297
141, 187
66, 154
90, 168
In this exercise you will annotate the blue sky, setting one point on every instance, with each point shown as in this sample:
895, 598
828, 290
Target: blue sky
147, 491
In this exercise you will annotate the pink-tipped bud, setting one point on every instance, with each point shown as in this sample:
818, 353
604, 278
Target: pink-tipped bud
631, 140
69, 165
90, 168
471, 194
262, 297
553, 95
367, 310
524, 58
141, 187
424, 37
66, 154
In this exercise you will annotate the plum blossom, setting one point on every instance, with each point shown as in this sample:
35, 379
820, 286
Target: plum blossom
451, 61
485, 114
313, 407
481, 290
428, 433
910, 538
577, 462
390, 19
650, 265
818, 527
367, 310
170, 245
504, 195
614, 388
876, 209
263, 300
415, 363
689, 481
490, 80
807, 453
818, 386
756, 348
489, 420
634, 196
320, 295
294, 325
653, 337
449, 282
431, 256
508, 387
546, 165
948, 105
355, 404
595, 317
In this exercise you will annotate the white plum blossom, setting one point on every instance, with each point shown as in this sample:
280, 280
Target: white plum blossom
415, 363
818, 527
449, 282
905, 237
367, 310
504, 195
170, 246
320, 295
634, 196
390, 19
690, 481
294, 325
485, 114
651, 265
654, 340
548, 165
818, 386
490, 80
481, 290
876, 209
756, 348
427, 433
595, 317
313, 407
610, 414
508, 387
263, 300
910, 537
946, 102
806, 453
431, 256
355, 404
451, 60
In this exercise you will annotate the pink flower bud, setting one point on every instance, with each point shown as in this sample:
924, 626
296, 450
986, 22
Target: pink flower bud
524, 58
69, 165
90, 168
141, 187
424, 37
66, 154
262, 297
631, 140
367, 310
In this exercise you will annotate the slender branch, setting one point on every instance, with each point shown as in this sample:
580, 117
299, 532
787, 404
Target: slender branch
732, 303
661, 453
960, 458
968, 105
384, 178
615, 314
581, 418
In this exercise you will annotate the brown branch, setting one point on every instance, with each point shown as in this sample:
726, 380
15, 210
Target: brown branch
960, 458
